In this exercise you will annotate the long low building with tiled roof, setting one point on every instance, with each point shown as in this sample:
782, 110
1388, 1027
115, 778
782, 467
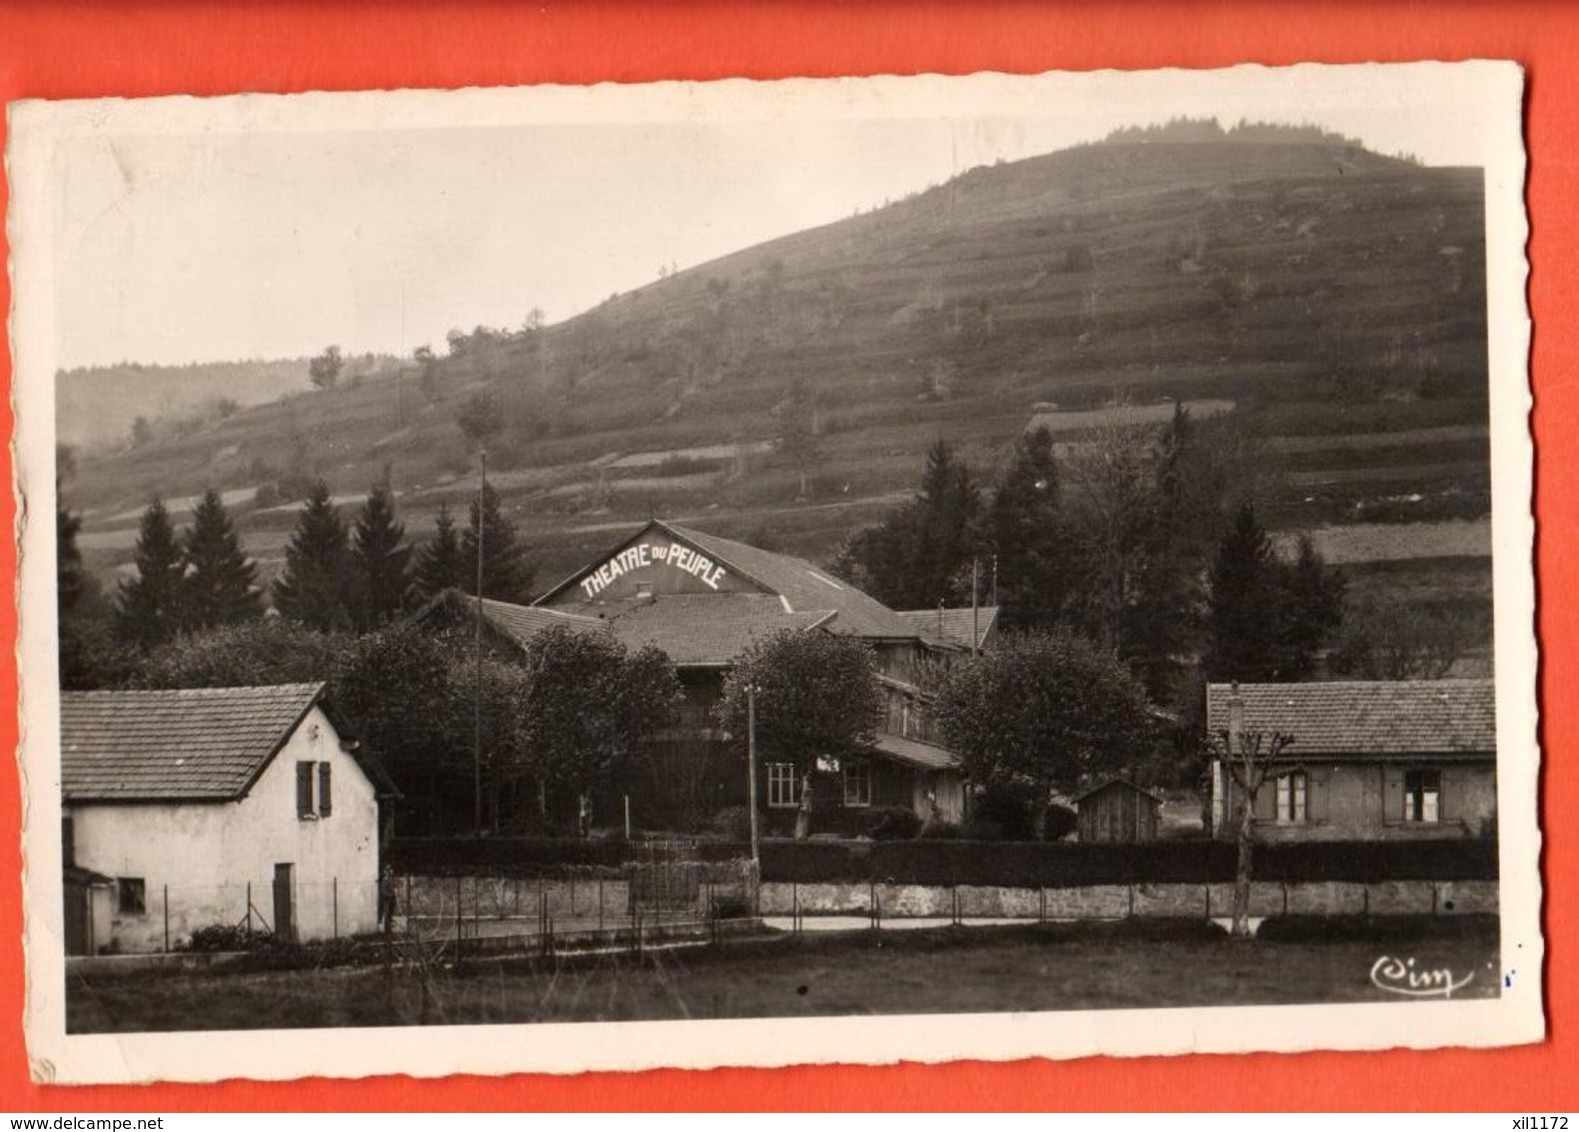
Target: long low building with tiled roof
1360, 759
704, 600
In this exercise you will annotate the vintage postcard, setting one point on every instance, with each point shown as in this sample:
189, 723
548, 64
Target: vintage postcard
768, 573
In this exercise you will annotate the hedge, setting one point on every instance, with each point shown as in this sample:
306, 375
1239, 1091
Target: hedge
1012, 864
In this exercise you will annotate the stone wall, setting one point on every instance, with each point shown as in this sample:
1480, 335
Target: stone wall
1115, 901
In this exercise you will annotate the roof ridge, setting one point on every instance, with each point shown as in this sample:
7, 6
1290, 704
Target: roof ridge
210, 689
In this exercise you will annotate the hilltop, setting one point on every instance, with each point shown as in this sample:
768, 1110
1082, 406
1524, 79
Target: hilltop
1328, 300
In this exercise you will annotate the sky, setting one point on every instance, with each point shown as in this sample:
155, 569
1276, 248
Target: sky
215, 229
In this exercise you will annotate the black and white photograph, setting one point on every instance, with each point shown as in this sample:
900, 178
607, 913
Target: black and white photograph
757, 573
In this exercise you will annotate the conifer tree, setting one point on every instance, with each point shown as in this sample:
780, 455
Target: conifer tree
221, 581
315, 586
380, 559
507, 574
1027, 535
77, 667
920, 554
1246, 604
150, 606
1312, 609
439, 566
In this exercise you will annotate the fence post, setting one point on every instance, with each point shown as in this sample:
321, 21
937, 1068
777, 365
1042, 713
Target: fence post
457, 917
408, 903
167, 917
334, 906
249, 909
600, 905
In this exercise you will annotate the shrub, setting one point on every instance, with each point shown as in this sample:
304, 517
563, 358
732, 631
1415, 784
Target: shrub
892, 823
1010, 808
733, 823
225, 937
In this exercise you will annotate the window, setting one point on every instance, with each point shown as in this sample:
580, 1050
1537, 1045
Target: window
131, 896
1423, 796
857, 782
1292, 795
313, 800
783, 786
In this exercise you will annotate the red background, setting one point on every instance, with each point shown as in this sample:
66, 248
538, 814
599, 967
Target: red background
93, 50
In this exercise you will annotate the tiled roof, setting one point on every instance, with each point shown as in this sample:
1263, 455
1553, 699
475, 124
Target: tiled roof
705, 629
1101, 786
952, 626
519, 623
1357, 718
523, 622
193, 744
804, 586
913, 753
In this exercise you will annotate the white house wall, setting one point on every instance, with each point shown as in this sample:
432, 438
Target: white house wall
207, 853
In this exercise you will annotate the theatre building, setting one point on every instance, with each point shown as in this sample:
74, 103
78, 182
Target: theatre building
704, 600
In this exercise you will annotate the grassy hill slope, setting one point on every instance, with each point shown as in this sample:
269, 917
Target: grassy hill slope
1331, 300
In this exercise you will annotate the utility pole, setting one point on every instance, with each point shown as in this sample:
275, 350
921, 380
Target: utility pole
482, 518
751, 769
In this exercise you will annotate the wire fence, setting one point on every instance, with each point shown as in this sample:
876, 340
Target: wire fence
666, 895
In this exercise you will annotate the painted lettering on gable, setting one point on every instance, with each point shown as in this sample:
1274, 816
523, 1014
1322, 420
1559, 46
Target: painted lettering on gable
681, 558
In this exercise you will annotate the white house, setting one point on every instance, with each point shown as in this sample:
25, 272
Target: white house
238, 806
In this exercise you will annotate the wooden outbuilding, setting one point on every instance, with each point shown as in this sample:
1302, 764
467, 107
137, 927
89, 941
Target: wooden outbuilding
1117, 810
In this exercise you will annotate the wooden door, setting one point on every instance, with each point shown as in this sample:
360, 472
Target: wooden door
285, 901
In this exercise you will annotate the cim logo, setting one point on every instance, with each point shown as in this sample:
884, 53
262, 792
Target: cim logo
644, 554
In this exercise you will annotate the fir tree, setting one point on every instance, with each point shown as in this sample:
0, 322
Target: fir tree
439, 565
1027, 536
220, 582
1246, 604
920, 554
1312, 609
76, 662
380, 561
315, 587
507, 575
150, 606
1162, 623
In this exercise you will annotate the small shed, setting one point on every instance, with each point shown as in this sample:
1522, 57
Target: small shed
1117, 810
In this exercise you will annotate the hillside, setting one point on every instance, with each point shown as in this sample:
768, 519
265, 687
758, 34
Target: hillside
1328, 301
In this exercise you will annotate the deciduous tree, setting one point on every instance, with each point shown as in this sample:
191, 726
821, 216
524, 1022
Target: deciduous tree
1049, 710
816, 695
324, 370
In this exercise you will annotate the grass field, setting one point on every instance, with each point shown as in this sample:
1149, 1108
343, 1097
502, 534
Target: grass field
943, 971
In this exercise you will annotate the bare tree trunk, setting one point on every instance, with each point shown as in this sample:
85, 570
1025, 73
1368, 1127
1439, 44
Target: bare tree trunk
1241, 924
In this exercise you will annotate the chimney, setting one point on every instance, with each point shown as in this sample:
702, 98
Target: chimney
1236, 715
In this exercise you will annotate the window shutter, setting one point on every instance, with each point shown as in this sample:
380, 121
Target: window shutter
304, 790
1320, 782
1450, 801
325, 807
1266, 800
1392, 795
